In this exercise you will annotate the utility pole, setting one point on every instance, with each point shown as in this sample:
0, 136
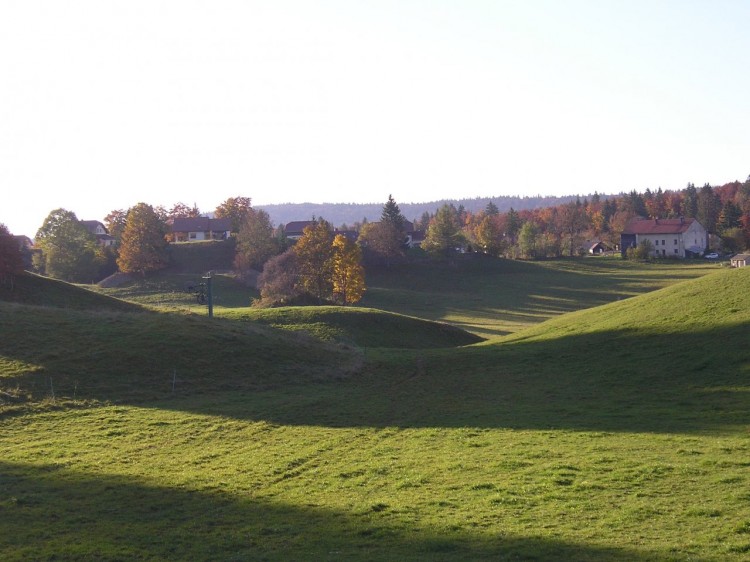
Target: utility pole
209, 295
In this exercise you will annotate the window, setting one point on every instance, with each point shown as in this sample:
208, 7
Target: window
675, 241
676, 251
663, 243
656, 243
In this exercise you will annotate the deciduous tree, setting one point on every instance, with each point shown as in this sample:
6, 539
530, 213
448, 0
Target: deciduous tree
527, 242
279, 281
314, 251
11, 260
236, 209
115, 222
143, 247
383, 242
488, 236
256, 242
348, 273
69, 251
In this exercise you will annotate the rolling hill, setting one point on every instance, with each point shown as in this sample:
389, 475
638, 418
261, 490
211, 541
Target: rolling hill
613, 433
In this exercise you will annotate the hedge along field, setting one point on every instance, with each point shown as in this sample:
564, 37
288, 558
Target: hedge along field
618, 433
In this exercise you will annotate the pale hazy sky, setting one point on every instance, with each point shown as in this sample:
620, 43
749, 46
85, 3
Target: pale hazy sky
104, 104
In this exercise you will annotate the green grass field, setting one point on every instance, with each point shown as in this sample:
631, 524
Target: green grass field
614, 433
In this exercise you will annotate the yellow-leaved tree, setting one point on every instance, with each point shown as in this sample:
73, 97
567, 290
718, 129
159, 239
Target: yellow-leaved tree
348, 273
314, 252
143, 247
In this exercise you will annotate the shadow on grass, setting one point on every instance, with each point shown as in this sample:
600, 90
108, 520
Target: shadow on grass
515, 291
616, 381
51, 512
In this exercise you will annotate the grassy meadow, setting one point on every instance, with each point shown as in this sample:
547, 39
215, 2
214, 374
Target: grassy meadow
574, 431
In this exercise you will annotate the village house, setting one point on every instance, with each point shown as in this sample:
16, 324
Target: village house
740, 260
675, 238
597, 247
196, 229
100, 231
295, 229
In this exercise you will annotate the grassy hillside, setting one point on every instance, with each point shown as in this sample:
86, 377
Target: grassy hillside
200, 257
167, 289
492, 297
52, 355
42, 291
359, 326
616, 433
486, 296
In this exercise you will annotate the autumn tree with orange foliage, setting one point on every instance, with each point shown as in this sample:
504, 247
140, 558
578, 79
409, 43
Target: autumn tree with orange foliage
143, 247
348, 275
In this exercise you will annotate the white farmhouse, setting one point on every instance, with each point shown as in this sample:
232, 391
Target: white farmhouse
675, 238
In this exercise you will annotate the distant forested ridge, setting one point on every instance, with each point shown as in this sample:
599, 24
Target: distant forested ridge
350, 213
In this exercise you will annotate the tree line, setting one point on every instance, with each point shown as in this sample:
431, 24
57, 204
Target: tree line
327, 265
562, 230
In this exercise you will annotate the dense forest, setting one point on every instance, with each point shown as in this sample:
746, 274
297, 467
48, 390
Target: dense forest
351, 213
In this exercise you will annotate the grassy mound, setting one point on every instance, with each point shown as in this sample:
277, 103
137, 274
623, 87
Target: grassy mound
48, 352
42, 291
359, 326
168, 289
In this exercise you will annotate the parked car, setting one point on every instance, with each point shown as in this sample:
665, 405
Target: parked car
712, 256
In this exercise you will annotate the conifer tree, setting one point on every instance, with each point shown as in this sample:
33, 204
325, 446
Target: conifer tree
444, 233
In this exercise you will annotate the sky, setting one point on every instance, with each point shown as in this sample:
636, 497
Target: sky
105, 104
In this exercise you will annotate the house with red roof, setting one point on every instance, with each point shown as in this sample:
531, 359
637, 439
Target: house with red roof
670, 238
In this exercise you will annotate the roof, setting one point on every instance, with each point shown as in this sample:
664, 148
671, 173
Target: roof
658, 226
92, 225
741, 257
23, 240
352, 235
201, 224
296, 227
